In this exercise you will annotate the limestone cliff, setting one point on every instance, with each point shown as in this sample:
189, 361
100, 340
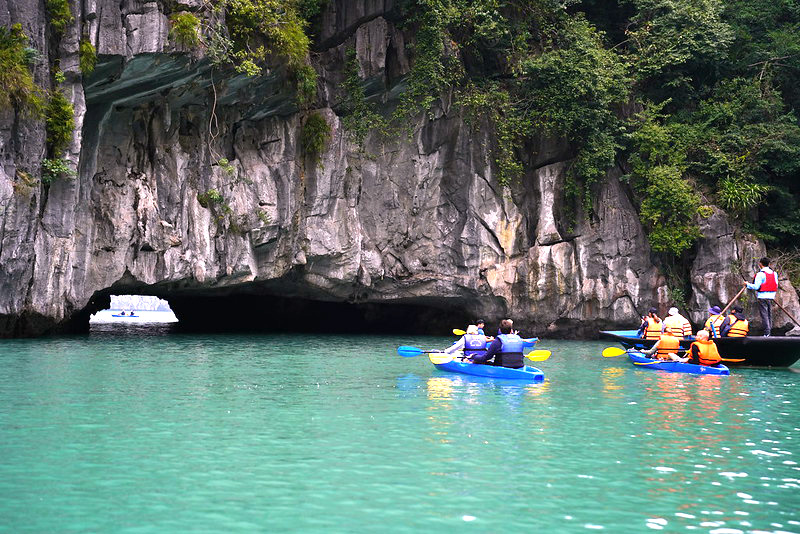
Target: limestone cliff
413, 229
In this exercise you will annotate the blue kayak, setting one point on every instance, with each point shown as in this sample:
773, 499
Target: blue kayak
117, 315
643, 362
530, 374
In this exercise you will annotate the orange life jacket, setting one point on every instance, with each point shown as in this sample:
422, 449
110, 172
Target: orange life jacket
653, 329
715, 320
668, 344
739, 327
708, 352
679, 324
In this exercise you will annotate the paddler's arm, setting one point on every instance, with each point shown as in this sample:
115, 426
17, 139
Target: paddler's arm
652, 349
459, 345
491, 350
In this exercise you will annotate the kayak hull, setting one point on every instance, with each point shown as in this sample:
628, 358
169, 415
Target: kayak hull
676, 367
755, 351
527, 373
116, 315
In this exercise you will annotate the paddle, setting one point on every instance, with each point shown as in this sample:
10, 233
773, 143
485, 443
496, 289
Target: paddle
458, 332
407, 351
437, 358
538, 355
733, 300
610, 352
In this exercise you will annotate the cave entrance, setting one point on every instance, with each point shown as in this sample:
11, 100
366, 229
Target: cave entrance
266, 313
138, 311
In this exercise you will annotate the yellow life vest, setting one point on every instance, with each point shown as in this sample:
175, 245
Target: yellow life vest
678, 324
739, 327
715, 320
709, 355
668, 344
653, 329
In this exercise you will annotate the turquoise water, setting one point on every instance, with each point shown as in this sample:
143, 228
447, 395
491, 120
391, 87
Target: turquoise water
147, 432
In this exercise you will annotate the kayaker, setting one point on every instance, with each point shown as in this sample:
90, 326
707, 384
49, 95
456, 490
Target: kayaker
651, 325
766, 285
678, 323
506, 349
714, 321
735, 324
471, 343
703, 351
479, 324
667, 347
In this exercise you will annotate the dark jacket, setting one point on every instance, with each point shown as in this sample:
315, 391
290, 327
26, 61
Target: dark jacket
725, 327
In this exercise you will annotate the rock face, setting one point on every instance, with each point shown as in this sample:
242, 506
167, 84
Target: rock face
405, 233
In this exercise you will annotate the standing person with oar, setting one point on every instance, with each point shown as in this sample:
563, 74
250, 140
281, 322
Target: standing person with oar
766, 287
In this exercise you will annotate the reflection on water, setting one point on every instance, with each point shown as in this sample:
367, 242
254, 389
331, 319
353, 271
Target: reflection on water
158, 432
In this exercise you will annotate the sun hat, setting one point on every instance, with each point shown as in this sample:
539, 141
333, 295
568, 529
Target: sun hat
472, 329
673, 311
714, 309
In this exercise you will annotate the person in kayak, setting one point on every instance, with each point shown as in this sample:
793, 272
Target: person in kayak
667, 347
505, 350
479, 324
735, 324
471, 343
703, 351
766, 285
651, 325
678, 323
714, 321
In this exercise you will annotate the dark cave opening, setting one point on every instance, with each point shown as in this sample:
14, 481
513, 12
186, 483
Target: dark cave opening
261, 313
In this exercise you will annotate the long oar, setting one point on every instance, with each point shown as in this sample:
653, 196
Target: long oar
787, 313
407, 351
733, 300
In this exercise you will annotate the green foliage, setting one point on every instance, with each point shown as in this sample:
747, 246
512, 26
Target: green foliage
59, 15
210, 198
315, 135
738, 195
305, 80
185, 30
668, 209
435, 64
60, 122
17, 88
59, 76
263, 27
572, 89
226, 166
87, 57
360, 117
54, 169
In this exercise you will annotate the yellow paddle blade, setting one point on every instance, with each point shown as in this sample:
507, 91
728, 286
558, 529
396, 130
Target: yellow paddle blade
458, 332
538, 355
438, 357
733, 359
649, 363
613, 351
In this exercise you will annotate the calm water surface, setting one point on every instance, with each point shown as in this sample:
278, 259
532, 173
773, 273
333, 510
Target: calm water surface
138, 431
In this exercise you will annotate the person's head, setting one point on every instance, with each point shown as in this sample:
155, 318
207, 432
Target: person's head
702, 335
652, 311
737, 309
764, 262
714, 310
479, 323
472, 329
673, 311
506, 325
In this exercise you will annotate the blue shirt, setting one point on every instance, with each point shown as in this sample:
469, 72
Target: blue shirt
761, 277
